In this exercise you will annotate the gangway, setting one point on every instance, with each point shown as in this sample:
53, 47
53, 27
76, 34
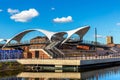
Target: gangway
53, 50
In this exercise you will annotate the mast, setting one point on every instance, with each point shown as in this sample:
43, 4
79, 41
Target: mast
95, 38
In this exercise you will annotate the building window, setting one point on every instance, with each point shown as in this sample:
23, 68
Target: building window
36, 54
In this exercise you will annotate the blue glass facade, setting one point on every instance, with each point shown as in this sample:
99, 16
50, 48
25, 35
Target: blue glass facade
11, 54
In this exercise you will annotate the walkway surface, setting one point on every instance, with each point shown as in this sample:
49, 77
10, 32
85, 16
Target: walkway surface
66, 61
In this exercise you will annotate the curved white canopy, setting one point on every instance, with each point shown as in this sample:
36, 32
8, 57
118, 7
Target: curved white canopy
80, 31
59, 35
20, 35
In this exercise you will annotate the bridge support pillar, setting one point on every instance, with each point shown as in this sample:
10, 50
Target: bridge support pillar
58, 68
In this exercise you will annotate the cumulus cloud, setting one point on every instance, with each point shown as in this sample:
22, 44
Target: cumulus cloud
99, 36
63, 19
12, 11
1, 39
1, 10
25, 15
118, 24
52, 8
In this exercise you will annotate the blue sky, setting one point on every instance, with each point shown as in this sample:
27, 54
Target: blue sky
60, 15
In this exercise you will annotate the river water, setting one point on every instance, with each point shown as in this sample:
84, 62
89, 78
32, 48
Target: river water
111, 73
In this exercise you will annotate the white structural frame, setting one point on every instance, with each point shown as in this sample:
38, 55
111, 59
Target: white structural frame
80, 31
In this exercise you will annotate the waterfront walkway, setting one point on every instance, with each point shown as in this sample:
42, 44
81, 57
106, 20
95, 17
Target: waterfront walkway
67, 61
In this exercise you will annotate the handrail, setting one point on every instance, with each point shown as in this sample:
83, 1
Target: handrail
51, 48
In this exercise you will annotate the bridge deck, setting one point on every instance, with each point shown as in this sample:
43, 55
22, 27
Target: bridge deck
66, 61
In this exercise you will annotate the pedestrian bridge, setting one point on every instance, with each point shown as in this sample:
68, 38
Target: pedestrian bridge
67, 61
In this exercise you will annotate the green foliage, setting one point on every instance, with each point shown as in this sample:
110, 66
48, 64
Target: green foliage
10, 66
0, 65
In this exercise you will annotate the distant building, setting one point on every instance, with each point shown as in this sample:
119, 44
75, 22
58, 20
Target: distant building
109, 39
36, 48
40, 42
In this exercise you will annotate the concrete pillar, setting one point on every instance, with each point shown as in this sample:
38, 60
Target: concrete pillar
58, 68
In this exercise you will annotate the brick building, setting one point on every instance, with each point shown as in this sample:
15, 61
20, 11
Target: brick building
36, 49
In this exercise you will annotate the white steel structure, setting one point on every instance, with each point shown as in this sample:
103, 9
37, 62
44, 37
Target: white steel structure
79, 31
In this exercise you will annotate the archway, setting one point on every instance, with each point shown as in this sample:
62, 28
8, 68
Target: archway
58, 36
20, 35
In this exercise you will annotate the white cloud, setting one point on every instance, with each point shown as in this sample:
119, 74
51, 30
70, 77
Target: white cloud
99, 36
63, 19
118, 24
52, 8
1, 40
1, 10
25, 15
12, 11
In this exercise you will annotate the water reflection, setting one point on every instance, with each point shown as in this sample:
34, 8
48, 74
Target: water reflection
112, 73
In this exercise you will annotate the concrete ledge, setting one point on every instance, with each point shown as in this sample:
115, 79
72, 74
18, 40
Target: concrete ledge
98, 61
48, 62
61, 62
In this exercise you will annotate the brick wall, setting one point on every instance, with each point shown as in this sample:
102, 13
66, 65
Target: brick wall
41, 54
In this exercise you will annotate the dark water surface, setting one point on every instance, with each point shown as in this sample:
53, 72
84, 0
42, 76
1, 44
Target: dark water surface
111, 73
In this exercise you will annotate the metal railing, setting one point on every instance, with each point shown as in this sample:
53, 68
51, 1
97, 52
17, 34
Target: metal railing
52, 49
25, 43
73, 57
